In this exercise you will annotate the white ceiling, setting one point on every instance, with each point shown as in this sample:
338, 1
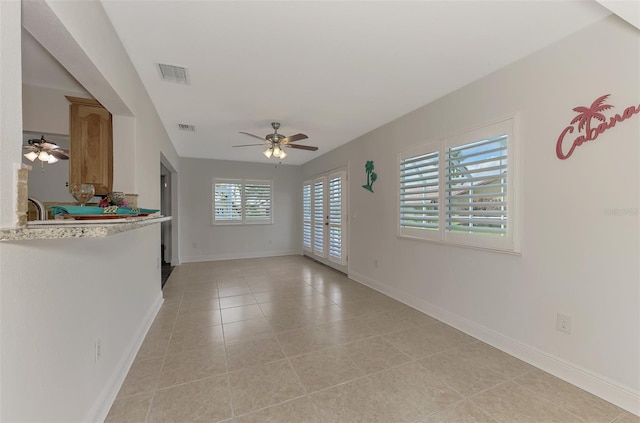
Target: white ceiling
333, 70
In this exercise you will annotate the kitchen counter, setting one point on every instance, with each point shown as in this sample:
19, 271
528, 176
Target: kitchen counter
58, 229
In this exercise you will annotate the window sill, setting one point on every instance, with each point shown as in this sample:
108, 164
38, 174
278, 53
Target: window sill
240, 223
456, 244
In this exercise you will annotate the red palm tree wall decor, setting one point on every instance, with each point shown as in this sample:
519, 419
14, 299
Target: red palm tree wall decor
584, 121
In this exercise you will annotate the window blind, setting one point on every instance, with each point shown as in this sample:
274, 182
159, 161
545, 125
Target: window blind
257, 200
228, 201
419, 192
335, 217
476, 187
318, 217
306, 215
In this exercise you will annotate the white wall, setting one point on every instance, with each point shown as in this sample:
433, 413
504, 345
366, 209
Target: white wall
46, 109
227, 242
577, 258
58, 297
10, 109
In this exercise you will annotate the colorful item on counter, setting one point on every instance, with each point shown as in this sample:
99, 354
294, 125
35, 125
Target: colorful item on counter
110, 210
71, 210
114, 199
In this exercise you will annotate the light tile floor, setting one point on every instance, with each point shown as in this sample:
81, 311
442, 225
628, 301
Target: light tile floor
286, 339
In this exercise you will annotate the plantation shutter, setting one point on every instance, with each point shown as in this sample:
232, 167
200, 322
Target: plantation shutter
337, 216
306, 216
476, 187
227, 201
419, 193
318, 218
257, 201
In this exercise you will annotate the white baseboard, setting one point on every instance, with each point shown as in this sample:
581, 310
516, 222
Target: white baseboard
583, 378
100, 410
235, 256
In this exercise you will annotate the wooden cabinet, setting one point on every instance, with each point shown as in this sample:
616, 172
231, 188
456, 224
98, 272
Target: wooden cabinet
90, 145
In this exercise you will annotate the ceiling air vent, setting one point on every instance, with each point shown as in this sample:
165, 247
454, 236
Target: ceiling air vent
187, 128
172, 73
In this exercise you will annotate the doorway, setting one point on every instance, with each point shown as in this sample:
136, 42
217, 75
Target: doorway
324, 234
165, 229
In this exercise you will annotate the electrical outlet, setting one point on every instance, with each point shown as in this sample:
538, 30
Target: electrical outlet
98, 350
194, 245
563, 323
375, 263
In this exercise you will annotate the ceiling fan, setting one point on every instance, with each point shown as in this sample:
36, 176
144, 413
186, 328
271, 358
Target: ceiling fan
45, 151
276, 143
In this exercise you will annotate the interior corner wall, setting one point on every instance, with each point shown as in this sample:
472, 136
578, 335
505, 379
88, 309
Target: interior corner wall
201, 241
51, 321
580, 226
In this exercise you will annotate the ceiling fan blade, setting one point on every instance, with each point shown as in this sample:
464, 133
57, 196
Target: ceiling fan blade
247, 145
29, 148
294, 138
254, 136
60, 154
49, 145
302, 147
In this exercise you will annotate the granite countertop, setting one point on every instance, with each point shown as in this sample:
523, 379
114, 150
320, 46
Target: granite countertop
53, 229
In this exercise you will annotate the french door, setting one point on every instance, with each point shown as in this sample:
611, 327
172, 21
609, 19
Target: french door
324, 231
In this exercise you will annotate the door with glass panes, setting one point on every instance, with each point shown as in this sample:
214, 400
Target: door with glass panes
324, 232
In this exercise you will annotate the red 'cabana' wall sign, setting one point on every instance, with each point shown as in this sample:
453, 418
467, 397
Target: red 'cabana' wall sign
584, 120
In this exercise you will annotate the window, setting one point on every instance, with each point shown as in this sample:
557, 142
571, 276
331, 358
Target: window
228, 202
239, 201
306, 216
337, 217
419, 195
318, 217
460, 190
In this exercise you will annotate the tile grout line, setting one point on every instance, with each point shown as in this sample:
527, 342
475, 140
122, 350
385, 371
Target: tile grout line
164, 359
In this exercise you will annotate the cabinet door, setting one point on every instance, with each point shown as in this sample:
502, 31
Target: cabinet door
90, 145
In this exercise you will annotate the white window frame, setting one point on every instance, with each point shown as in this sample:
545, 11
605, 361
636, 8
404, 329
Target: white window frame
243, 201
510, 242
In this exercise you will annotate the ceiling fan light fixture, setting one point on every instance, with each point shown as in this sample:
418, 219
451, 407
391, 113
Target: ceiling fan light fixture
43, 156
52, 159
31, 155
275, 142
